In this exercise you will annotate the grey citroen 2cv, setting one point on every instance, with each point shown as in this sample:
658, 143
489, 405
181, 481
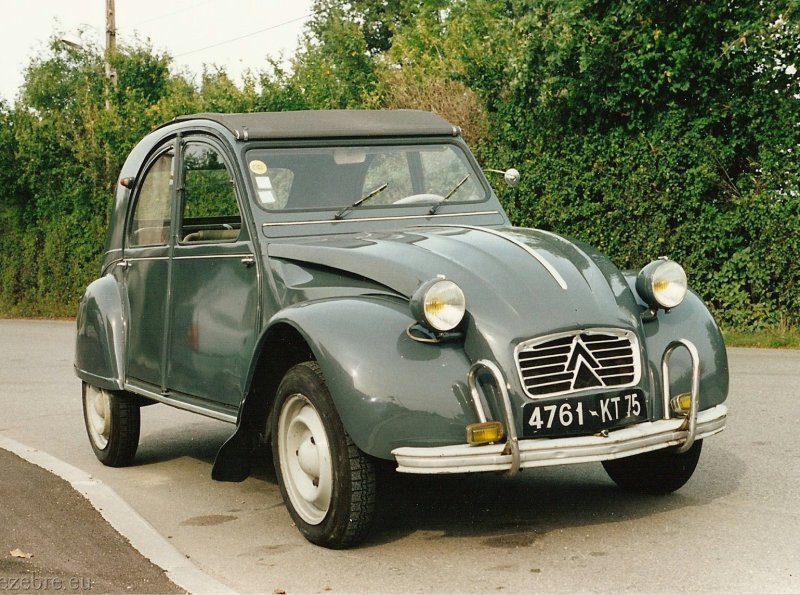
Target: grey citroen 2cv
346, 286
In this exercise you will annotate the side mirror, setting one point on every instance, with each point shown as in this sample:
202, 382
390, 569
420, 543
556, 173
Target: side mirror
511, 175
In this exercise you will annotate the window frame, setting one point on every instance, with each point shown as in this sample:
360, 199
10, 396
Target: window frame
252, 151
180, 197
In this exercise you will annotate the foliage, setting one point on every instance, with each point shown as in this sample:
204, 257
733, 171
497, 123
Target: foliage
649, 128
333, 68
660, 128
65, 140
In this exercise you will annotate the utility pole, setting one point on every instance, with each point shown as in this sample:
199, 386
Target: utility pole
111, 42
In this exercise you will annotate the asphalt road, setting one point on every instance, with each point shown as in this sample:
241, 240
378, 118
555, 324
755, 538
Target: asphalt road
69, 548
734, 528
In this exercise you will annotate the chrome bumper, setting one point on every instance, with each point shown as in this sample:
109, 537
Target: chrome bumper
544, 452
515, 454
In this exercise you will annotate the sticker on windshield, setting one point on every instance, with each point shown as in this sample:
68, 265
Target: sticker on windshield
258, 167
263, 183
266, 197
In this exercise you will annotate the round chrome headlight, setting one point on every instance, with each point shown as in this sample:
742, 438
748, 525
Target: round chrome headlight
662, 283
439, 303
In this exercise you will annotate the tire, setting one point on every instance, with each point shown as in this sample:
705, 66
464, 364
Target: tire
658, 472
112, 422
327, 483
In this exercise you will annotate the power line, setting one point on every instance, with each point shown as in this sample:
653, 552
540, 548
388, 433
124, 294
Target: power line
214, 45
169, 14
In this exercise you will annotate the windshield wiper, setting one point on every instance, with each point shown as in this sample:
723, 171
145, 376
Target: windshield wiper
342, 212
435, 207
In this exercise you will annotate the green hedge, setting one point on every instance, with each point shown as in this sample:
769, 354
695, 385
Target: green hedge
646, 129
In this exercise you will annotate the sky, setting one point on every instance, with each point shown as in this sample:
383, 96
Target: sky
234, 34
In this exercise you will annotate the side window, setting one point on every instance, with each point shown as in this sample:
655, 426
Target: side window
210, 212
151, 215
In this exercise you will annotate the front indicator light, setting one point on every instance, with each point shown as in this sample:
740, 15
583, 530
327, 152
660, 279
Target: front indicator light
485, 432
681, 404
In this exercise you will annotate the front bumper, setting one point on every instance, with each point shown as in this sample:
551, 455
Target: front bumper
516, 454
544, 452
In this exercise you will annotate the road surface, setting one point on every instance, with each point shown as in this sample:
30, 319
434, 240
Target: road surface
734, 528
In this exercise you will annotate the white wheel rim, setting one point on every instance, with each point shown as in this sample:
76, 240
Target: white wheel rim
305, 459
97, 404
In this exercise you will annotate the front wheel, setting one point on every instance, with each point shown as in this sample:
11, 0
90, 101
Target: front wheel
327, 483
112, 422
658, 472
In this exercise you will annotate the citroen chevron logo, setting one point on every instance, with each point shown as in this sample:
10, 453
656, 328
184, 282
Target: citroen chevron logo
574, 362
583, 364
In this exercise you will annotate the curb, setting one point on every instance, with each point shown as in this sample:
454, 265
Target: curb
130, 524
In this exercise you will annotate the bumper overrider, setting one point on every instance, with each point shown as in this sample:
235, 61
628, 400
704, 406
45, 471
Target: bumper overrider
670, 431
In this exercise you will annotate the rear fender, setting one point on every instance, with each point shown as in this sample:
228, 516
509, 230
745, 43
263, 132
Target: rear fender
100, 342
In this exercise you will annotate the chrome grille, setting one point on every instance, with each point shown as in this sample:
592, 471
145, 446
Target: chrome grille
577, 361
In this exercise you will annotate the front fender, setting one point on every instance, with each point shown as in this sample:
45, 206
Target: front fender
690, 320
389, 390
100, 342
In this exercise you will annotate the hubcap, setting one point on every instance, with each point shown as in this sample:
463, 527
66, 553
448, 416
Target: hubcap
97, 404
305, 459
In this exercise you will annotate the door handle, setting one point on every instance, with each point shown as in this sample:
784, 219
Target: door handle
124, 264
248, 261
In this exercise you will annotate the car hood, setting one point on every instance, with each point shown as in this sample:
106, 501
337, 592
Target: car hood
524, 281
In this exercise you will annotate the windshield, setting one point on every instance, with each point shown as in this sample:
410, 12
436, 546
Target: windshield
325, 178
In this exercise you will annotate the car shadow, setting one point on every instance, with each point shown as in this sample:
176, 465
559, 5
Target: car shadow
514, 512
503, 512
200, 441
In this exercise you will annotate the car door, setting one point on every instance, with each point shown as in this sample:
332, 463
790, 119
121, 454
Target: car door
214, 281
146, 263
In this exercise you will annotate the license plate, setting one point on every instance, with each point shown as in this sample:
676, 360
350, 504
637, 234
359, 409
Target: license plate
587, 414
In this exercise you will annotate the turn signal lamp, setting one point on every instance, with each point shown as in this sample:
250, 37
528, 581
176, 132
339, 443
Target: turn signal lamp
681, 404
485, 432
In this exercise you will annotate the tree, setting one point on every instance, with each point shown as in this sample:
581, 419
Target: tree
660, 127
333, 68
65, 141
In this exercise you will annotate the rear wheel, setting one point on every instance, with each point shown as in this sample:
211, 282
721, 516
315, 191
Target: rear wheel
112, 422
657, 472
327, 483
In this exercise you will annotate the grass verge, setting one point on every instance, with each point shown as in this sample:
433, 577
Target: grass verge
771, 338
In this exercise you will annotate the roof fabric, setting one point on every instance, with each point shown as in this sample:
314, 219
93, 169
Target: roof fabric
330, 124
